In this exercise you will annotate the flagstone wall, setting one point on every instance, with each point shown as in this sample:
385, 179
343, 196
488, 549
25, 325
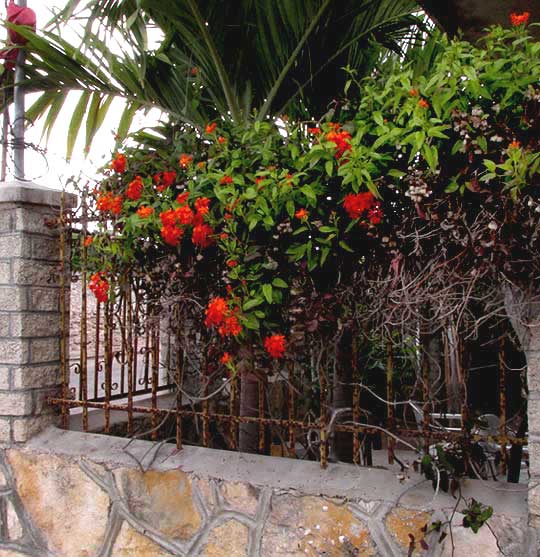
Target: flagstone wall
72, 494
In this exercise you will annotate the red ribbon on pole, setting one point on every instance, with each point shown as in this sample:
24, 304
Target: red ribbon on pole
20, 16
17, 15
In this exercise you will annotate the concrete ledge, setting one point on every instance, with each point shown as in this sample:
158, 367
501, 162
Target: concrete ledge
307, 478
30, 193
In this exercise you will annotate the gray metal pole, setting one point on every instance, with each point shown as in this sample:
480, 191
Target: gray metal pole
19, 123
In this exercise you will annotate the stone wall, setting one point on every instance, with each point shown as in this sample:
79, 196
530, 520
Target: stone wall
83, 495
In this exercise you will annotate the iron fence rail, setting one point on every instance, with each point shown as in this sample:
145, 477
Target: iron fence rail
134, 352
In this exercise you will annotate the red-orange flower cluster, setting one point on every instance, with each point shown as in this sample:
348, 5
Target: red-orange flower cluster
202, 235
422, 103
275, 345
119, 163
134, 189
211, 128
226, 180
222, 140
514, 145
145, 212
185, 160
202, 205
110, 202
88, 241
218, 314
226, 358
301, 214
356, 203
519, 19
375, 214
99, 287
184, 215
164, 179
170, 231
314, 131
341, 140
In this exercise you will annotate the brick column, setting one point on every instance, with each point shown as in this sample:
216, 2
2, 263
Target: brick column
29, 309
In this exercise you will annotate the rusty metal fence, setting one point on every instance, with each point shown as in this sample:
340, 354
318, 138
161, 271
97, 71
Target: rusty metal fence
130, 359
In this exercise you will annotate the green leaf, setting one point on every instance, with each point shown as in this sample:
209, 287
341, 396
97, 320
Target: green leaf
451, 187
329, 167
378, 117
267, 292
75, 124
252, 303
289, 206
345, 246
126, 121
279, 283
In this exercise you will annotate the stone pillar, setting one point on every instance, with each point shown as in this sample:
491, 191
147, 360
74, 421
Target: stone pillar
29, 309
533, 406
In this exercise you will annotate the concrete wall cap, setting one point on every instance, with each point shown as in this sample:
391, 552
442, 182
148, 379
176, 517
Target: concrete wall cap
28, 192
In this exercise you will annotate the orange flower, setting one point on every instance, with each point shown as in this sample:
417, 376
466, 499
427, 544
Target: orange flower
88, 241
184, 215
356, 203
223, 236
202, 205
168, 218
168, 178
413, 92
134, 189
201, 235
227, 216
230, 327
275, 345
211, 128
375, 214
514, 145
215, 312
301, 214
119, 163
232, 263
519, 19
182, 198
341, 140
314, 131
99, 286
201, 165
222, 140
225, 359
145, 212
172, 235
226, 180
259, 180
110, 202
185, 160
423, 103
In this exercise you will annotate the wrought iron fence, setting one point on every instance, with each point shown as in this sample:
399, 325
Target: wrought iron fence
132, 357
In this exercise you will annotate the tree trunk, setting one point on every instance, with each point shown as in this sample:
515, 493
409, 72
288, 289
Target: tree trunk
471, 17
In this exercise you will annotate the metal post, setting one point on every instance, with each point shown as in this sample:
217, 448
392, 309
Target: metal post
18, 100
